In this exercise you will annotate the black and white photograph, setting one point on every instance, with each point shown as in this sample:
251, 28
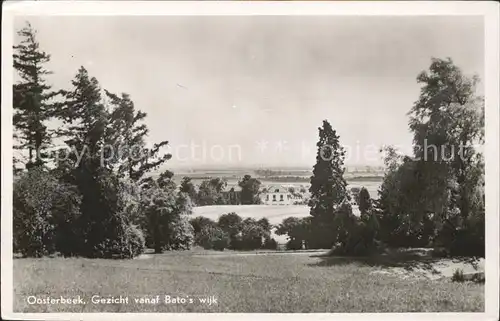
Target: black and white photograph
240, 157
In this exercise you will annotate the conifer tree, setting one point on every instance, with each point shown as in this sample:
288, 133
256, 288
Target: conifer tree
328, 186
33, 99
86, 133
86, 119
128, 134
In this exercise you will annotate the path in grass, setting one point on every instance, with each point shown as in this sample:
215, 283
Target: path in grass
258, 283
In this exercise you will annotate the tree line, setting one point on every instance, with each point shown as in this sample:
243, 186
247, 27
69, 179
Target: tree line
233, 232
213, 191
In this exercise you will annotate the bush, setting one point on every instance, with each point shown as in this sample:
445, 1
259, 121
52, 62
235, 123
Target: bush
253, 235
458, 276
463, 239
164, 219
219, 243
43, 207
200, 222
270, 244
128, 243
357, 237
294, 245
213, 238
470, 241
133, 241
297, 230
232, 224
181, 235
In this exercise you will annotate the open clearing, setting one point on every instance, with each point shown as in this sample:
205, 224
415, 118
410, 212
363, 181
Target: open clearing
240, 283
274, 213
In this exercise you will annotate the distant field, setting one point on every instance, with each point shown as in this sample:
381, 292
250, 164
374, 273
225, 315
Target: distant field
371, 184
293, 177
275, 213
283, 283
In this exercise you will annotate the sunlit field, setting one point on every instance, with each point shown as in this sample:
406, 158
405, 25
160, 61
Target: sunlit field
284, 282
274, 213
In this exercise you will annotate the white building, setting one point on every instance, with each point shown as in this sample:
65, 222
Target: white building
277, 195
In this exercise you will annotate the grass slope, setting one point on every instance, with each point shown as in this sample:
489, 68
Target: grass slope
241, 283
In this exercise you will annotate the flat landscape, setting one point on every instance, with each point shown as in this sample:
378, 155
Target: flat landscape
371, 181
283, 282
274, 213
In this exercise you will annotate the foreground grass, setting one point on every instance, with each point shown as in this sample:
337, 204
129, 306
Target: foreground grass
252, 283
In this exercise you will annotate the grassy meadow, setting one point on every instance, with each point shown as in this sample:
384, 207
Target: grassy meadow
278, 282
274, 213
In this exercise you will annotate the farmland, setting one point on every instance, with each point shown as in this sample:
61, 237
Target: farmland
284, 282
288, 178
274, 213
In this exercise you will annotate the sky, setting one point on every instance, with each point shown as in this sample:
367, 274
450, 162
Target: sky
252, 91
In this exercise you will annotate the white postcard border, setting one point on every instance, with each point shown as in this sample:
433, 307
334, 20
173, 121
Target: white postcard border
490, 12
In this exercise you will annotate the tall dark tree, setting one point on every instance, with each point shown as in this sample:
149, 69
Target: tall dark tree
33, 99
249, 190
86, 120
328, 186
127, 134
448, 123
102, 221
436, 197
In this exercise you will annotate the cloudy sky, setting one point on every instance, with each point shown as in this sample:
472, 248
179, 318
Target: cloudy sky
253, 90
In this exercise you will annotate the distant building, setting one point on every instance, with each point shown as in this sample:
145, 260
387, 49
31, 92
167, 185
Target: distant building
278, 195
